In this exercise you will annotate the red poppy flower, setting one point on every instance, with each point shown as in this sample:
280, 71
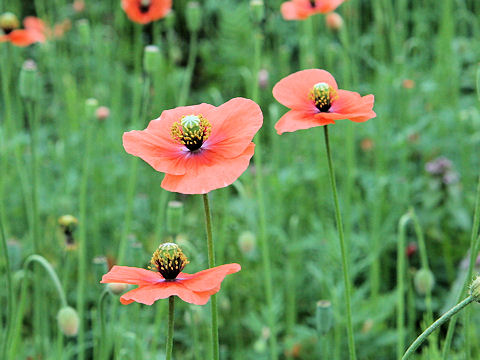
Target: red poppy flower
145, 11
35, 31
315, 100
201, 147
302, 9
169, 280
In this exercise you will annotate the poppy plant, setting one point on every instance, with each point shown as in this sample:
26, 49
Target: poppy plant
166, 278
302, 9
315, 100
201, 147
146, 11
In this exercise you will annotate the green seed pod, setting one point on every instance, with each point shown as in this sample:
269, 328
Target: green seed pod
29, 81
258, 10
174, 217
324, 316
475, 289
117, 288
424, 281
152, 59
68, 321
194, 16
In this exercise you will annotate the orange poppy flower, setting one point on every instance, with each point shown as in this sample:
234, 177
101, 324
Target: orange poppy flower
169, 261
145, 11
315, 100
201, 147
35, 31
302, 9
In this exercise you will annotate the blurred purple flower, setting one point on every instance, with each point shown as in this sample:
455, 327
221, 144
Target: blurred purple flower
439, 166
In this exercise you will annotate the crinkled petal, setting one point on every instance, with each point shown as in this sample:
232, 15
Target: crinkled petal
158, 9
299, 120
131, 275
21, 38
293, 91
211, 173
351, 103
209, 279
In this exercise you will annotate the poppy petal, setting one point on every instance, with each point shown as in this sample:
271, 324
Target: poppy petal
290, 11
234, 124
157, 10
131, 275
148, 294
210, 278
21, 38
299, 120
293, 91
203, 179
350, 102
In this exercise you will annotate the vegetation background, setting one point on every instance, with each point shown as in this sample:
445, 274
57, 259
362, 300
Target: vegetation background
419, 59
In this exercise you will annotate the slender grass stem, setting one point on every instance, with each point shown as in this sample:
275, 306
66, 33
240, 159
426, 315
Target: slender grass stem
444, 318
343, 249
103, 325
211, 264
171, 319
9, 289
401, 262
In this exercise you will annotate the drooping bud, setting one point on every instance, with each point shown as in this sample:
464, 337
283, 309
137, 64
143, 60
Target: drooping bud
151, 59
117, 288
324, 316
257, 9
423, 281
334, 21
29, 81
475, 289
322, 94
8, 22
168, 260
194, 16
174, 217
68, 321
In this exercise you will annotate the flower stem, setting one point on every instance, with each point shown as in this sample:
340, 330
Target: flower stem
171, 319
211, 263
9, 289
103, 331
445, 317
343, 249
192, 56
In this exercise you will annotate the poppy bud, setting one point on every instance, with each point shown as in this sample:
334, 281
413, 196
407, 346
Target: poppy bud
170, 19
423, 281
8, 22
68, 321
84, 30
247, 242
29, 81
91, 106
258, 10
174, 217
102, 113
151, 59
334, 21
194, 16
117, 288
68, 223
475, 289
324, 316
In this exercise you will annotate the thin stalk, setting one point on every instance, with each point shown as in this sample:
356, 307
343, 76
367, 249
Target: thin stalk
192, 56
171, 319
343, 249
401, 260
103, 325
9, 289
474, 248
211, 264
444, 318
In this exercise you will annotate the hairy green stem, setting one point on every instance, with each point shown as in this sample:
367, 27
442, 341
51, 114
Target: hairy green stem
211, 264
401, 260
9, 288
171, 319
343, 249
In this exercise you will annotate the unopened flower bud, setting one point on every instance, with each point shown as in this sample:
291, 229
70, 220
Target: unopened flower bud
102, 113
424, 281
475, 289
194, 16
151, 59
174, 217
247, 242
258, 10
334, 21
68, 321
324, 316
29, 81
117, 288
263, 78
100, 266
8, 22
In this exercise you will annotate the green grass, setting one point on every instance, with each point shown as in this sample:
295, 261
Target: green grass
78, 166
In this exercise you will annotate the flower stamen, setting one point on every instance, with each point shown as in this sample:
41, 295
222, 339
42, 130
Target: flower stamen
323, 95
312, 3
168, 260
144, 6
191, 131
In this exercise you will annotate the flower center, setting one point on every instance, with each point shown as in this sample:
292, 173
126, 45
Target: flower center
8, 22
168, 260
312, 3
323, 96
191, 131
144, 6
